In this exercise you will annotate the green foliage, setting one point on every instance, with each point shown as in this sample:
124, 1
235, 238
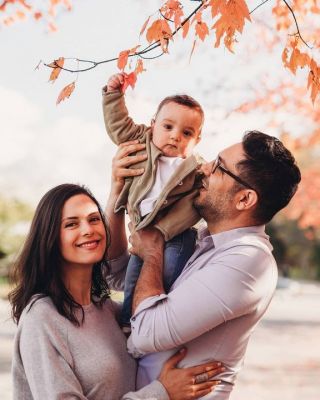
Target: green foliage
297, 251
15, 217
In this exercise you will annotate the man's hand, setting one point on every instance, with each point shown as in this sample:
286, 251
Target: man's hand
123, 160
146, 243
115, 82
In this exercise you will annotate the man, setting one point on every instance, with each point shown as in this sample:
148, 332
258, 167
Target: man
228, 283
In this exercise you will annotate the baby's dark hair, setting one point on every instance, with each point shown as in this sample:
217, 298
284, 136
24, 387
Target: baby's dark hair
184, 100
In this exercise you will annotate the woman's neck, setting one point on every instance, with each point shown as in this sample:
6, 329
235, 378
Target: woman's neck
78, 281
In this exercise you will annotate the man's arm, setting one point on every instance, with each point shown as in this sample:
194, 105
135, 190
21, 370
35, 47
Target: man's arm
224, 288
116, 221
148, 245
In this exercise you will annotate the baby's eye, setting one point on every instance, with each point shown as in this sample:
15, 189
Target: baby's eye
187, 133
167, 126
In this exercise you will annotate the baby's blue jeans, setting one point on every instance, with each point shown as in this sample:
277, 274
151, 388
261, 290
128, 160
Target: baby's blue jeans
177, 251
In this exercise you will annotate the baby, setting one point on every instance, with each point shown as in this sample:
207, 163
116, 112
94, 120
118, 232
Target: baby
163, 194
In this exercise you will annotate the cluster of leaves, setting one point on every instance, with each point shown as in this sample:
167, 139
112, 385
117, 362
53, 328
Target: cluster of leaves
292, 100
17, 10
223, 18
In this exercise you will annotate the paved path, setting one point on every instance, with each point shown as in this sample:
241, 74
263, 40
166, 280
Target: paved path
283, 358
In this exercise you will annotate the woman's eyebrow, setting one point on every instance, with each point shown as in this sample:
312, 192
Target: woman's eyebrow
89, 215
66, 218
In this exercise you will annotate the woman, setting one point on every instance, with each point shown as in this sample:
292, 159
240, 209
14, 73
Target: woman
68, 344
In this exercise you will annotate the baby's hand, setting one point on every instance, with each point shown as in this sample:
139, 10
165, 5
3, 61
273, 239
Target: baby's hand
115, 82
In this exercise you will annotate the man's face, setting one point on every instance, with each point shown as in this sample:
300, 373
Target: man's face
216, 200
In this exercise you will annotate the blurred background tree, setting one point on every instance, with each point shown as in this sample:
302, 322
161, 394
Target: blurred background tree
15, 217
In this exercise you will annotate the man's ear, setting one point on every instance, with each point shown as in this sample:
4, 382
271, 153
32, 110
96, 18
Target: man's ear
246, 199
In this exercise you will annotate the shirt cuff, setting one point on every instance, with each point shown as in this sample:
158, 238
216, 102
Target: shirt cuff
148, 303
140, 328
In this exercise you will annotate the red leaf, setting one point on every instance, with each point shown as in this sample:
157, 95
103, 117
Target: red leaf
129, 80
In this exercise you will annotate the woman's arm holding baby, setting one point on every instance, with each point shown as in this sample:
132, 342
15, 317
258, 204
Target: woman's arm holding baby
120, 170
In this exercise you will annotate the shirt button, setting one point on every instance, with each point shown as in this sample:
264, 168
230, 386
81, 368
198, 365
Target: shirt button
180, 183
165, 202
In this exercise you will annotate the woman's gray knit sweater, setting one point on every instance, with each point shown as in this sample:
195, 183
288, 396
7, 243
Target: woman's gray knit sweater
55, 360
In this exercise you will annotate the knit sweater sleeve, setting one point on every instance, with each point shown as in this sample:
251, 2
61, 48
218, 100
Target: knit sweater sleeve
42, 363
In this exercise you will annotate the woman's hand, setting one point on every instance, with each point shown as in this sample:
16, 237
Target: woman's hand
188, 383
124, 159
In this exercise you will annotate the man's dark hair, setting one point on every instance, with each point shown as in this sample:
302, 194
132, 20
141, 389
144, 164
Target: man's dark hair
183, 100
271, 170
37, 272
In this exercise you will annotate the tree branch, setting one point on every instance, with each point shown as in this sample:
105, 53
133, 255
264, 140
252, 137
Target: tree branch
296, 22
258, 6
140, 53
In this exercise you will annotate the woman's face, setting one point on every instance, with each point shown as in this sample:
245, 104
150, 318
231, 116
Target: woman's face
82, 233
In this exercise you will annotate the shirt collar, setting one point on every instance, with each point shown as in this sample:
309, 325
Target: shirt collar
220, 238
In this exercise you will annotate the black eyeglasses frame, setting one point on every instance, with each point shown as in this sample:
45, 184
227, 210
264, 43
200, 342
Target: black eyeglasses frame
217, 164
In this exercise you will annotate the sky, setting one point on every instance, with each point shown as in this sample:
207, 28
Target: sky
43, 145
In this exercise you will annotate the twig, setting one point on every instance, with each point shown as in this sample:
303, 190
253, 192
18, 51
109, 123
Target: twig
258, 6
296, 22
140, 53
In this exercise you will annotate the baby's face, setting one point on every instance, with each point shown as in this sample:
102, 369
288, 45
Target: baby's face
176, 130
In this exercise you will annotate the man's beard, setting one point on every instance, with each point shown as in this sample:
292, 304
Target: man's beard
214, 209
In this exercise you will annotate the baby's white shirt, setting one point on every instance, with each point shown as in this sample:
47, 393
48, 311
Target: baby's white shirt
165, 169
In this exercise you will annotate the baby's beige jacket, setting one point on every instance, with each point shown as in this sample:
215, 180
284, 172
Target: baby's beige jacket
176, 199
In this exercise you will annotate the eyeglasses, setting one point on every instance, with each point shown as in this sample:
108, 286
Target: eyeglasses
217, 164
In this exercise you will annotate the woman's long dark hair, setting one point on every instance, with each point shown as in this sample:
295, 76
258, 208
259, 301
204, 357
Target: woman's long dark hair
37, 271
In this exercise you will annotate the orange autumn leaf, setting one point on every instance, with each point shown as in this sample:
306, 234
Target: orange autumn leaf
284, 57
139, 67
232, 19
56, 69
192, 50
185, 28
144, 26
66, 92
37, 15
123, 59
314, 80
202, 30
134, 49
298, 59
129, 80
216, 7
170, 8
160, 31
